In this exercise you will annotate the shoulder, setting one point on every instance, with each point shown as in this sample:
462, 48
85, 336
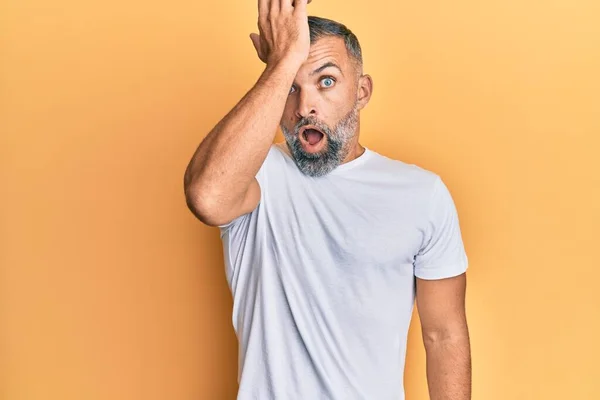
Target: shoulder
281, 147
404, 172
278, 155
275, 156
276, 160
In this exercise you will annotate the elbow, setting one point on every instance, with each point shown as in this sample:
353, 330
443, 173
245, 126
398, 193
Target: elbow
445, 337
199, 196
201, 203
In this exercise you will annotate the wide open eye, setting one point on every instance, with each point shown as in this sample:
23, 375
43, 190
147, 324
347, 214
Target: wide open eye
327, 82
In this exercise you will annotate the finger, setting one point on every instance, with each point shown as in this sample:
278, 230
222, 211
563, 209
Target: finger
256, 42
274, 9
286, 5
300, 6
263, 9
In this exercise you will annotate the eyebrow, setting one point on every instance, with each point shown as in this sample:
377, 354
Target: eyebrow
326, 65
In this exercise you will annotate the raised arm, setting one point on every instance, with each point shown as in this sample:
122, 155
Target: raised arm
219, 181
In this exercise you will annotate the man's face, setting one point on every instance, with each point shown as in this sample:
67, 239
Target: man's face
321, 116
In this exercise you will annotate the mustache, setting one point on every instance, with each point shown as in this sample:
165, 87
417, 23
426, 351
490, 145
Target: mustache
312, 121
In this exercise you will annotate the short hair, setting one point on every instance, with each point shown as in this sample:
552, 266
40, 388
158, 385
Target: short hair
321, 27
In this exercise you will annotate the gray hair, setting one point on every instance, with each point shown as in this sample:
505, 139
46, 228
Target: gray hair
321, 27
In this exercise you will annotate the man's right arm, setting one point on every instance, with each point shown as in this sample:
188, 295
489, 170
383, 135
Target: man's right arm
219, 181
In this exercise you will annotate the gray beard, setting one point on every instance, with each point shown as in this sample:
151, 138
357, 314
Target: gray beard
335, 151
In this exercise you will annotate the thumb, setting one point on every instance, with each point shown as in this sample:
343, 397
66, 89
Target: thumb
256, 42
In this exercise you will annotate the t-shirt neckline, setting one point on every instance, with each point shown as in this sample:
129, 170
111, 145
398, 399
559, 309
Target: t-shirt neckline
342, 167
355, 162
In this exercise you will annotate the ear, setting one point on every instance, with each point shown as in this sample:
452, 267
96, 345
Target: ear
365, 89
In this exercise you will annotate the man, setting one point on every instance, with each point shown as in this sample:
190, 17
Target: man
327, 243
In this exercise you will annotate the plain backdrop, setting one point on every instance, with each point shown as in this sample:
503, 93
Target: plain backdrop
110, 289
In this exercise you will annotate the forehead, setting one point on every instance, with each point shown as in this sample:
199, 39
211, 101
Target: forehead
325, 49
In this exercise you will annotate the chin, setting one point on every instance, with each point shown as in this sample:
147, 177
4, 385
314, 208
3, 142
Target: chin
319, 159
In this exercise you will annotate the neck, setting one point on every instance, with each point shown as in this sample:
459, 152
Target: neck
354, 153
356, 149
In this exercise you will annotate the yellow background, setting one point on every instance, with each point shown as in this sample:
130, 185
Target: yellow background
110, 289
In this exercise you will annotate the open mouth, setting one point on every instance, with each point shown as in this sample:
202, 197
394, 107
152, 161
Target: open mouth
311, 134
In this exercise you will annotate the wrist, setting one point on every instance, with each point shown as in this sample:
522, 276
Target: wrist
281, 72
287, 64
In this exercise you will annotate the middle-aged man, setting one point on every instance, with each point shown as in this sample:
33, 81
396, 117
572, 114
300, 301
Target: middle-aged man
327, 243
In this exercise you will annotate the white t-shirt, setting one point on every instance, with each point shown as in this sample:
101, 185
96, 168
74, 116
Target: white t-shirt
322, 275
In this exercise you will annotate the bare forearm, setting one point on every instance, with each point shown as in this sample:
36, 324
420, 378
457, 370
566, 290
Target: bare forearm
449, 369
231, 154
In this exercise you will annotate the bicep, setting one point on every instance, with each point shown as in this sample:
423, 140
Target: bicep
441, 306
247, 203
250, 200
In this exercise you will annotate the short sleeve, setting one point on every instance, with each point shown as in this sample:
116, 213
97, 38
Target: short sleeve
442, 254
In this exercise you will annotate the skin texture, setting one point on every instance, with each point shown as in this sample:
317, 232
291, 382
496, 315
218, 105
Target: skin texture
327, 94
441, 307
220, 183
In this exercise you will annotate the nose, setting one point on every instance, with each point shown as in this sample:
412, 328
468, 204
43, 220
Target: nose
306, 105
